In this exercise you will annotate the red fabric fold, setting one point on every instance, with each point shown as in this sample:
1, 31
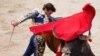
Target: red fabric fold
69, 28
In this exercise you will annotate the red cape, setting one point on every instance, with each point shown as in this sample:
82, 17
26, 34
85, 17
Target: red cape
69, 28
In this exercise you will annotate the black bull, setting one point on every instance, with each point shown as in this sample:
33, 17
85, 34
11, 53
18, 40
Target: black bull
78, 47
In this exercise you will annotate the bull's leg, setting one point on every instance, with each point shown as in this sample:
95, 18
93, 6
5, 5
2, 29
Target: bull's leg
60, 47
59, 53
66, 49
